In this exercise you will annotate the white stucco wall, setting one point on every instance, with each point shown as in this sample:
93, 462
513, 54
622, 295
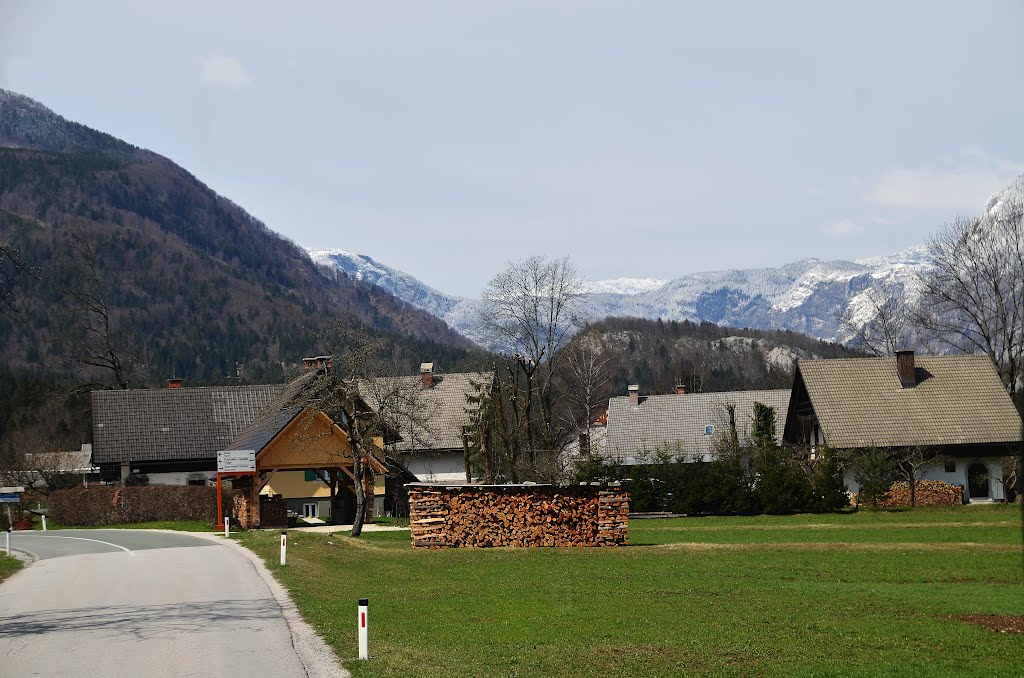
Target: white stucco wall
181, 477
957, 477
441, 468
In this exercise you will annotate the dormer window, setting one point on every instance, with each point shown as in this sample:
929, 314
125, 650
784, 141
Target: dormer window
709, 430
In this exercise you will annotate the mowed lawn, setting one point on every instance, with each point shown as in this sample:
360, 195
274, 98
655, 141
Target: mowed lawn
858, 594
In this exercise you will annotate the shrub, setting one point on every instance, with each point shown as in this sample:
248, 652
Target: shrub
114, 505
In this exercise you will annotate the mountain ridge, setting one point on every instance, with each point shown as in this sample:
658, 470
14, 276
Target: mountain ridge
196, 285
825, 299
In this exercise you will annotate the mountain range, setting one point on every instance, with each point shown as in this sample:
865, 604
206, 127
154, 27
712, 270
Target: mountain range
810, 296
828, 300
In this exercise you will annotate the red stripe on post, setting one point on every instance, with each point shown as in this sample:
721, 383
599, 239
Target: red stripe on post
362, 619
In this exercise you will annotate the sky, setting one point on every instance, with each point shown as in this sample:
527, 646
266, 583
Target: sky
643, 139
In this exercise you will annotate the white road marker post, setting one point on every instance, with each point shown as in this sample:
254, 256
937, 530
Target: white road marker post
44, 522
284, 547
8, 540
364, 628
227, 526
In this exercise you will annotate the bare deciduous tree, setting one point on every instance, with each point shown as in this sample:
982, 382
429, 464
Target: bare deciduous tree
973, 293
889, 327
530, 309
587, 367
89, 328
11, 266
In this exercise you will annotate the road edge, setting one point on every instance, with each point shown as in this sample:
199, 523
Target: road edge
318, 659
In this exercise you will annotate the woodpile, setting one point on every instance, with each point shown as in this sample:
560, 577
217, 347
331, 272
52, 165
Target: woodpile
926, 493
242, 510
445, 516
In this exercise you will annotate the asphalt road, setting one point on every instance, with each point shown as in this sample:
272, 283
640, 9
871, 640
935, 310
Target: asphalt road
144, 603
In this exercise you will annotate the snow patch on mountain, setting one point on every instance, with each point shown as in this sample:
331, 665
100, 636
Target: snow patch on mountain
622, 286
828, 300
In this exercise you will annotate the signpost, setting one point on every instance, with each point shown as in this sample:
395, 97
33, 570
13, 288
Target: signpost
236, 461
10, 495
232, 463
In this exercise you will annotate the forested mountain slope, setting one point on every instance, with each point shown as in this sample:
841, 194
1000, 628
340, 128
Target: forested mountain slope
195, 286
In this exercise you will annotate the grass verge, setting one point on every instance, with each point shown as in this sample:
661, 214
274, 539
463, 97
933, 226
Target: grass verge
850, 594
8, 566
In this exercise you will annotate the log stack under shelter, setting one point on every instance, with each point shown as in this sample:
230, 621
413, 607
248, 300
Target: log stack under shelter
449, 516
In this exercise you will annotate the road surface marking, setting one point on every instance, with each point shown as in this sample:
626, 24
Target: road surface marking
117, 546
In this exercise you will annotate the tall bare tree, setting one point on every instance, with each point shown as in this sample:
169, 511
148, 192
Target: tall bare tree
95, 339
588, 375
530, 309
889, 326
11, 266
973, 293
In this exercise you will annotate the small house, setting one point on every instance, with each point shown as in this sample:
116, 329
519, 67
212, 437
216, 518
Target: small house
955, 407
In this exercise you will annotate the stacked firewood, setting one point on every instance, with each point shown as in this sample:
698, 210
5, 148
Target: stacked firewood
926, 493
518, 515
242, 510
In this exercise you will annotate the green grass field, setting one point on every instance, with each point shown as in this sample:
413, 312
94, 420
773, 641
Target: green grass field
8, 566
845, 594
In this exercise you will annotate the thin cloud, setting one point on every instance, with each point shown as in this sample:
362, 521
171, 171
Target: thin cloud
845, 228
223, 71
967, 187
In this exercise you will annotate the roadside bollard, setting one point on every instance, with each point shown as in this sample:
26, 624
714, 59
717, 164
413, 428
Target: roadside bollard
8, 541
364, 628
284, 547
227, 526
44, 522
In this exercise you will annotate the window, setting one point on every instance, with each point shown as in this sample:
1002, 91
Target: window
709, 430
309, 510
311, 476
950, 467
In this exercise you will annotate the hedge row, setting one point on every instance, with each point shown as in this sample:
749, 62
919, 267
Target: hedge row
116, 505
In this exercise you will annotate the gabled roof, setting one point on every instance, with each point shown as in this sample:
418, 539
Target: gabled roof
677, 423
172, 424
440, 411
859, 402
277, 414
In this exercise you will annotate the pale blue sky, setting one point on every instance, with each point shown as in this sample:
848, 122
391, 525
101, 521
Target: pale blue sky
643, 138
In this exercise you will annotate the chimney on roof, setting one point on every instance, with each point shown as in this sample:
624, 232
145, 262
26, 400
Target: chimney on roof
174, 382
905, 369
427, 375
634, 394
681, 389
320, 362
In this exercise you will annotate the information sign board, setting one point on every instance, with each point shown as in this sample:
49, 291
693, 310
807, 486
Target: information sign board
236, 461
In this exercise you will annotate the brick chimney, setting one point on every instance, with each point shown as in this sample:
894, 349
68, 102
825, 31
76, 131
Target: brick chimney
320, 362
634, 394
427, 375
681, 389
174, 382
905, 369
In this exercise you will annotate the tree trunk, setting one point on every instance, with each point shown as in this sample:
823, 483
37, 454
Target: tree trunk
355, 442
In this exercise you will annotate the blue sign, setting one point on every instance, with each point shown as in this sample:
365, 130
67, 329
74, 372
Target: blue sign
9, 498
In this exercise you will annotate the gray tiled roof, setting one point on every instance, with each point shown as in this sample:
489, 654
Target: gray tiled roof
306, 389
440, 411
958, 400
677, 423
172, 424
